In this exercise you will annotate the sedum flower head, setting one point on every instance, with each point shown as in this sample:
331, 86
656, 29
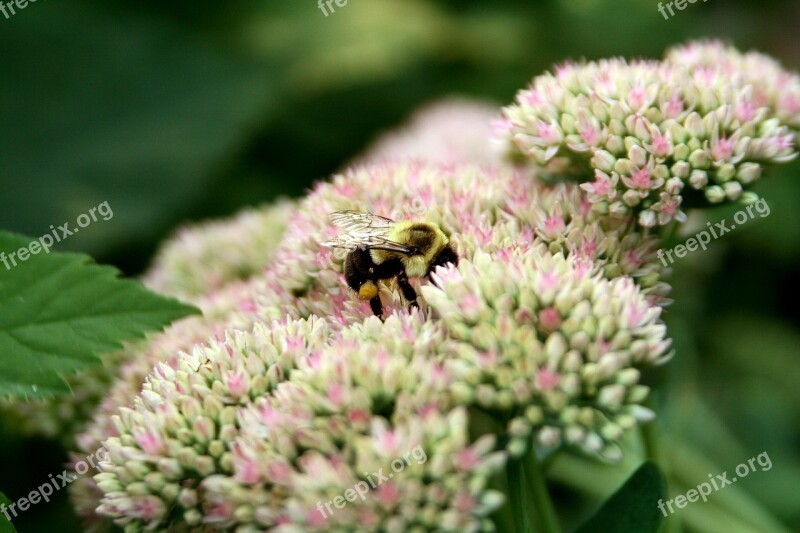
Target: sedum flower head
181, 426
202, 258
479, 207
346, 416
238, 305
645, 135
548, 345
774, 88
408, 367
252, 433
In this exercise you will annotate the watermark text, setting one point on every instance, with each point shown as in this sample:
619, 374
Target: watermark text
57, 234
715, 231
715, 482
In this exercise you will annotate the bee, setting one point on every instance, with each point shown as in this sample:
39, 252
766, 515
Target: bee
382, 249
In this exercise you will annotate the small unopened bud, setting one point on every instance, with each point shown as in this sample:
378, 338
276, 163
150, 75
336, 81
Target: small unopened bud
715, 194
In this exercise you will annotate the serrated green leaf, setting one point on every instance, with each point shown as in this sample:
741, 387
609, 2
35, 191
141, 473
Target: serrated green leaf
5, 525
58, 312
634, 507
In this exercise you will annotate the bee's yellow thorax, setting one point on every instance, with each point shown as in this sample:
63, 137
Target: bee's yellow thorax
427, 240
416, 266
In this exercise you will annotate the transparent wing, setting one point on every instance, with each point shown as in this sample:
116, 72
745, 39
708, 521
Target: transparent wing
353, 242
364, 230
357, 222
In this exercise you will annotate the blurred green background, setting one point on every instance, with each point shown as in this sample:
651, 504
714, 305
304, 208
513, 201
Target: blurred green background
184, 110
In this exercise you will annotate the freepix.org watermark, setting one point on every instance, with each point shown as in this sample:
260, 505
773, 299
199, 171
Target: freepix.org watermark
11, 7
679, 4
53, 485
702, 238
376, 479
329, 3
718, 482
57, 234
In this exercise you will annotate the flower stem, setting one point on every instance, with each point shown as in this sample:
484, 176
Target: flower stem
652, 449
546, 514
520, 504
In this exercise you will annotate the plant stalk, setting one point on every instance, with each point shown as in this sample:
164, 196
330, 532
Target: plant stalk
545, 512
518, 495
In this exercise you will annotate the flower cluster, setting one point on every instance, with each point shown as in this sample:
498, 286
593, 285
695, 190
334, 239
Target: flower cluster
289, 392
548, 343
235, 306
375, 392
699, 126
480, 207
200, 259
406, 376
258, 429
182, 424
773, 87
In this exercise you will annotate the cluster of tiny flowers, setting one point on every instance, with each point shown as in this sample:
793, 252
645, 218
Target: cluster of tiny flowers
699, 126
451, 131
479, 207
549, 345
181, 425
254, 432
561, 217
235, 306
774, 88
203, 258
348, 414
482, 209
312, 418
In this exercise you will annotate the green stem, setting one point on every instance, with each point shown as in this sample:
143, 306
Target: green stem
652, 450
548, 521
520, 505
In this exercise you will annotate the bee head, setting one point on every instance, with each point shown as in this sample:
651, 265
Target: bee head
446, 255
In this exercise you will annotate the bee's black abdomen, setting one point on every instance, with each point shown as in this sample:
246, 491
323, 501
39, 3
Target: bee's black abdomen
357, 267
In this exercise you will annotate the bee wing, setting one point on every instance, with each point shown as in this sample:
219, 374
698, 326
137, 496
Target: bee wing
364, 230
350, 241
357, 222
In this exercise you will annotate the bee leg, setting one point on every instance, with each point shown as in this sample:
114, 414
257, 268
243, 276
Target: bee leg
376, 306
408, 291
447, 256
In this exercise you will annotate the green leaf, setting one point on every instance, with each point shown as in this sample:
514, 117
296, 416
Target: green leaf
58, 312
5, 525
634, 507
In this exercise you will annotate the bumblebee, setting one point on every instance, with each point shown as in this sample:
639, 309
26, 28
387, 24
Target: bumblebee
382, 249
